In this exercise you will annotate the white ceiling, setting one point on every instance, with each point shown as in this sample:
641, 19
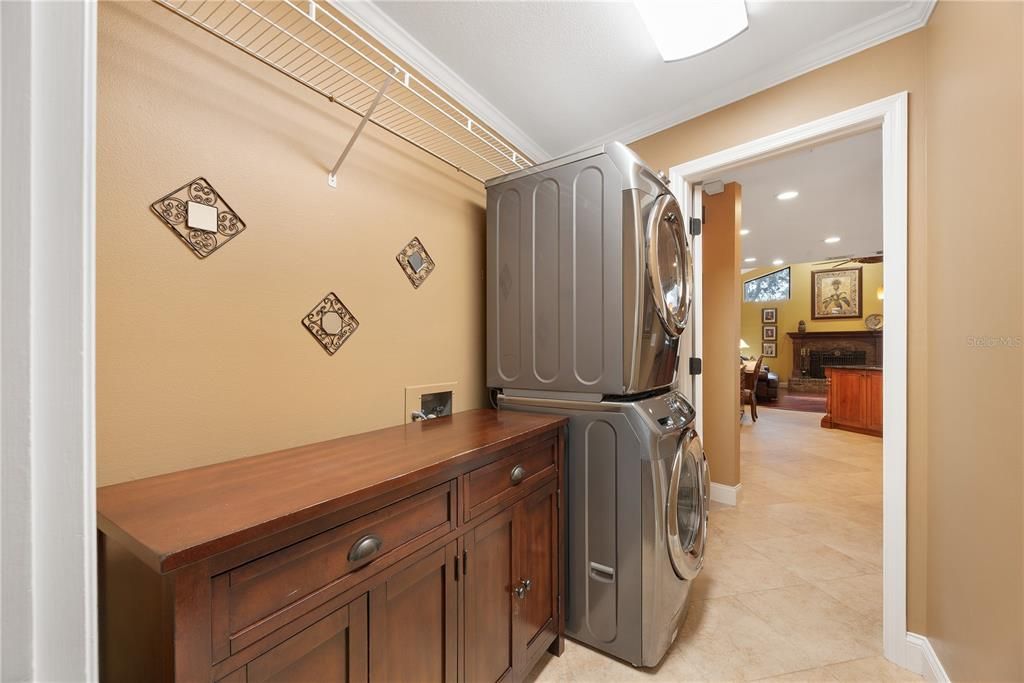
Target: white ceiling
554, 77
840, 186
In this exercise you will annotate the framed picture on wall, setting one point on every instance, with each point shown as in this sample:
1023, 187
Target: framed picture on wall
837, 294
770, 332
769, 316
768, 350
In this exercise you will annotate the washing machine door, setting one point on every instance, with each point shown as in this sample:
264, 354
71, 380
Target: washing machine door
687, 516
669, 267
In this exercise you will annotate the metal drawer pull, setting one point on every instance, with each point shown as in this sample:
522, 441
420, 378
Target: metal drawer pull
522, 588
518, 474
364, 548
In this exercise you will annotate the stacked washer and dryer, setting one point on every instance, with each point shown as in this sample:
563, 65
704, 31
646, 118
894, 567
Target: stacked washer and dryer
588, 292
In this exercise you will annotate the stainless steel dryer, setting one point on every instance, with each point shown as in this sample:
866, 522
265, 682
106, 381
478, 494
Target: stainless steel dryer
638, 491
588, 276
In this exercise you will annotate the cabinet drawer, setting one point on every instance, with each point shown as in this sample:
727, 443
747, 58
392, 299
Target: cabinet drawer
258, 597
504, 479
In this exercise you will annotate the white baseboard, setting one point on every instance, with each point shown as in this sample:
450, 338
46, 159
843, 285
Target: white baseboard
727, 495
923, 659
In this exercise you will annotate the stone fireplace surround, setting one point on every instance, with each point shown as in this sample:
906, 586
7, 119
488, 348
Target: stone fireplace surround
868, 341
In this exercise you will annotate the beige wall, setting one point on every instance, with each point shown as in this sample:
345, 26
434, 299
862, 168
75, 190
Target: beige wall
975, 117
964, 76
205, 360
723, 216
797, 308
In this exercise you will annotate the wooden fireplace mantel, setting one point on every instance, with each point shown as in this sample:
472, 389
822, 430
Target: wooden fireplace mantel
837, 334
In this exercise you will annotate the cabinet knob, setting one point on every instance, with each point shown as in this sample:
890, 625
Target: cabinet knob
364, 548
522, 588
518, 474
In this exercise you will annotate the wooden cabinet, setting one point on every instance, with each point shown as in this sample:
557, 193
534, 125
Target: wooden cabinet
535, 576
488, 599
512, 588
874, 402
854, 399
332, 649
414, 622
429, 552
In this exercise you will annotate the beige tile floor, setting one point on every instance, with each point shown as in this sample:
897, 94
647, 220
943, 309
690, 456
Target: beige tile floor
792, 583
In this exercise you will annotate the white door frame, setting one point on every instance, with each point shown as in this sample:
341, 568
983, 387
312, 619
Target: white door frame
47, 359
890, 114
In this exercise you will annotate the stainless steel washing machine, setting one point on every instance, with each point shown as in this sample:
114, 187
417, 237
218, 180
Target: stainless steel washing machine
588, 276
638, 490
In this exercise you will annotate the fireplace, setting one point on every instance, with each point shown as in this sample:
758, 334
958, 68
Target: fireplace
819, 360
815, 351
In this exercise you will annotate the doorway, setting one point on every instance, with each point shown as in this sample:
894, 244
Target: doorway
890, 116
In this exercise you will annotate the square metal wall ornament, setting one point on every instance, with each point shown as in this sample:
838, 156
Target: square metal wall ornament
330, 323
199, 216
415, 262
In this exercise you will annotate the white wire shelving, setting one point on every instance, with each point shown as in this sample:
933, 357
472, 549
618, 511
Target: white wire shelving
323, 50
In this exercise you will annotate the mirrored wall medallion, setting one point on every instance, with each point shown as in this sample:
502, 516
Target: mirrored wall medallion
330, 323
199, 216
416, 262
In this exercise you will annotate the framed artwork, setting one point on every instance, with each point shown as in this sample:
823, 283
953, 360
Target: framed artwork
768, 350
769, 316
837, 294
770, 332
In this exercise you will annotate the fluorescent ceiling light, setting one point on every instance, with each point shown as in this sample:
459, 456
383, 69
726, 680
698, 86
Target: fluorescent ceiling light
750, 260
744, 232
788, 194
777, 262
684, 28
831, 240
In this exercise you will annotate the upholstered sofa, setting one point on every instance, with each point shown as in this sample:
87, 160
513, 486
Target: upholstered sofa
767, 385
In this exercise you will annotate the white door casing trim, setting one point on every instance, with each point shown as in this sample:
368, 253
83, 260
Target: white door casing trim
48, 629
890, 114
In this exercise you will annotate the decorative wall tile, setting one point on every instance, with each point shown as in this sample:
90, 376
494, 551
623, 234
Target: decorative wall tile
330, 323
415, 262
199, 216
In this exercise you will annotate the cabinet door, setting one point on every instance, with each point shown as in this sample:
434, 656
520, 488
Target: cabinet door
534, 576
488, 600
847, 398
874, 396
333, 650
414, 622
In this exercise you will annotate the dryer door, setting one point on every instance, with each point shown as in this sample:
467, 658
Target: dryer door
687, 515
669, 267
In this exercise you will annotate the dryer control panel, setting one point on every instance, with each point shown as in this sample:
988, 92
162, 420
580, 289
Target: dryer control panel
670, 411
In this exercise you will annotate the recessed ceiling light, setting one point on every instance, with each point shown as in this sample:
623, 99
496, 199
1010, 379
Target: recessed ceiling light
744, 232
831, 240
788, 194
685, 29
777, 262
751, 259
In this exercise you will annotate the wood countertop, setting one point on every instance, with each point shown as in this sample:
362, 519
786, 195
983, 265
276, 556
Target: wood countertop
175, 519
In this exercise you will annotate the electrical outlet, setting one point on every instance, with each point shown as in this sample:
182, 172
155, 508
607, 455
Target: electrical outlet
429, 399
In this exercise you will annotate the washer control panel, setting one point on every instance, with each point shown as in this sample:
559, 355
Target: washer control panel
670, 411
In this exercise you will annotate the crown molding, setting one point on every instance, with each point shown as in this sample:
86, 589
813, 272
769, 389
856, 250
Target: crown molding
377, 23
908, 17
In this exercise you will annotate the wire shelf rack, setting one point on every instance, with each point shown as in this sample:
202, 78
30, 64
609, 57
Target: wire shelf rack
322, 49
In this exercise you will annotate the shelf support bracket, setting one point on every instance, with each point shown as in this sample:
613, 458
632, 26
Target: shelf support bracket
332, 177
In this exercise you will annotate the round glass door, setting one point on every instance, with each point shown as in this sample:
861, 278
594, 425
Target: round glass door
688, 494
668, 264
